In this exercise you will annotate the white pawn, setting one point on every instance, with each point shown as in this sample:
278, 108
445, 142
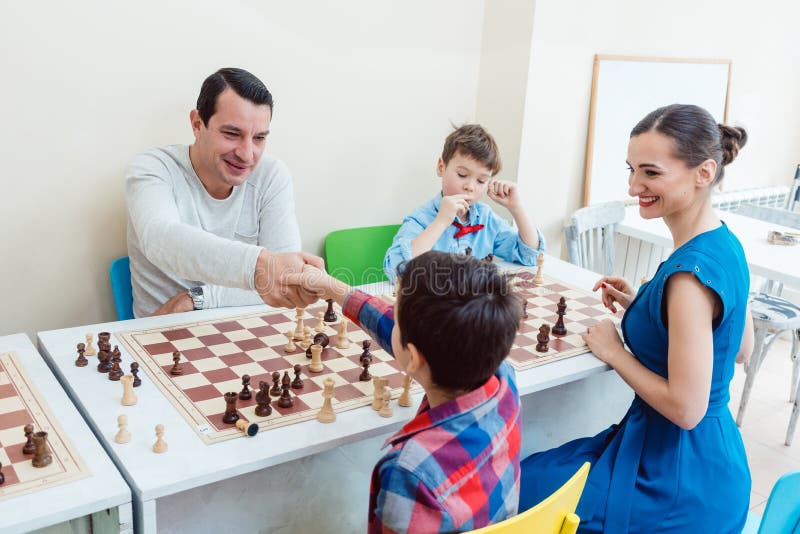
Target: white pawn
306, 338
320, 322
290, 347
342, 341
123, 436
386, 409
160, 445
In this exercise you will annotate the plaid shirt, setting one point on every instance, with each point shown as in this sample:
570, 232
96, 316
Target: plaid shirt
454, 467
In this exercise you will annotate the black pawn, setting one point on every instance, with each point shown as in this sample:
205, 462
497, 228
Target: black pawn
29, 447
245, 394
297, 383
263, 400
135, 372
330, 314
276, 387
286, 397
81, 361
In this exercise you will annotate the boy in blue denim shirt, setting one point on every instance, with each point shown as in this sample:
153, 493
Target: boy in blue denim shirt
454, 221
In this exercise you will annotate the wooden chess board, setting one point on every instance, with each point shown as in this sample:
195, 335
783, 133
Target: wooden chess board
21, 404
217, 353
584, 309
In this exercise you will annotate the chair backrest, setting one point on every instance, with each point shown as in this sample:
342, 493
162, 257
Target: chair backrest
554, 515
772, 215
590, 236
782, 514
355, 255
793, 198
120, 272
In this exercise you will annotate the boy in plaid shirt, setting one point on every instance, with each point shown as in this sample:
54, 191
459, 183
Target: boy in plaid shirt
455, 466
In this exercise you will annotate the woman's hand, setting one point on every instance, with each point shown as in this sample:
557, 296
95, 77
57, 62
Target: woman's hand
604, 341
615, 291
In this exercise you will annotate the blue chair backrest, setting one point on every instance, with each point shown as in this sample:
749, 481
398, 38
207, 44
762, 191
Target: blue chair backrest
782, 514
120, 272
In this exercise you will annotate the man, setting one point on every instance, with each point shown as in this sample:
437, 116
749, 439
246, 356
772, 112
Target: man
213, 224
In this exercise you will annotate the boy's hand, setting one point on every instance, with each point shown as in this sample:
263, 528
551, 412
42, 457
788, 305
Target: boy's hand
504, 193
451, 206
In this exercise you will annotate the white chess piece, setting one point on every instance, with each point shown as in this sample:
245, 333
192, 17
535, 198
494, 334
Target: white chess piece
539, 279
405, 397
160, 445
342, 341
290, 347
90, 350
320, 322
326, 413
316, 359
128, 396
386, 407
123, 436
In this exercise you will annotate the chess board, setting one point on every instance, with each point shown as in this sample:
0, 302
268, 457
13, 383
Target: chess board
21, 404
217, 353
584, 309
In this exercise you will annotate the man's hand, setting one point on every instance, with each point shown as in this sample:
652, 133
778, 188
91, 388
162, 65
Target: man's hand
271, 268
319, 283
181, 302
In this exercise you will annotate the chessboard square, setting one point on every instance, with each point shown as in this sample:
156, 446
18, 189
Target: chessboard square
364, 387
251, 368
150, 339
299, 406
4, 459
178, 333
234, 385
592, 312
187, 344
186, 369
10, 474
251, 322
357, 336
190, 381
575, 316
250, 344
382, 369
208, 364
318, 379
395, 380
202, 393
266, 353
19, 418
276, 318
268, 330
277, 340
15, 454
160, 348
239, 358
203, 330
523, 340
225, 349
539, 313
527, 327
214, 339
299, 357
11, 404
314, 399
228, 326
163, 359
351, 375
520, 354
194, 355
352, 350
220, 375
277, 364
7, 389
14, 434
4, 378
346, 393
588, 300
239, 335
26, 471
211, 406
540, 302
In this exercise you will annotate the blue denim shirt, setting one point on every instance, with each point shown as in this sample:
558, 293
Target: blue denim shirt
497, 237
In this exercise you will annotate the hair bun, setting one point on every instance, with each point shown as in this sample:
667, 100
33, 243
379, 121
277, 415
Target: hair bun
732, 139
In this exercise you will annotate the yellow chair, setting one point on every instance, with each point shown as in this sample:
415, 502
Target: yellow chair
554, 515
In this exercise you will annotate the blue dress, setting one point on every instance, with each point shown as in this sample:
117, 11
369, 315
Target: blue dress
648, 474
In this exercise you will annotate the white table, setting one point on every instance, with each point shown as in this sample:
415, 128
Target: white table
300, 478
102, 490
774, 262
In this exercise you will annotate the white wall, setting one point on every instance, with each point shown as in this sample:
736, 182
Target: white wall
364, 94
761, 40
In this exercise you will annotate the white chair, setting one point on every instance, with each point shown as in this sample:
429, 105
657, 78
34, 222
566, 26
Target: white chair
590, 236
793, 198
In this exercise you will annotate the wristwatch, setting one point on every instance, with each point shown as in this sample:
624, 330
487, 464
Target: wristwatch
196, 294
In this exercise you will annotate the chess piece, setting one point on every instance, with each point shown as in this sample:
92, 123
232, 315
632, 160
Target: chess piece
330, 314
81, 361
128, 396
160, 445
135, 372
176, 370
29, 447
102, 358
245, 394
230, 416
285, 400
543, 338
326, 413
249, 429
320, 322
405, 398
299, 327
123, 436
342, 341
290, 346
365, 376
559, 329
105, 337
316, 359
89, 347
306, 342
377, 391
297, 383
320, 339
116, 372
263, 400
2, 476
386, 406
489, 258
366, 354
468, 251
276, 388
525, 309
41, 456
539, 279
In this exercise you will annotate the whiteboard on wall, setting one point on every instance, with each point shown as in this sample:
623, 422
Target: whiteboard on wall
624, 90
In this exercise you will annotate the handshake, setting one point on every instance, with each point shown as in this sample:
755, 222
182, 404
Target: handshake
295, 280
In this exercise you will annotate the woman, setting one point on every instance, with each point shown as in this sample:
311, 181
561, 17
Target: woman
676, 462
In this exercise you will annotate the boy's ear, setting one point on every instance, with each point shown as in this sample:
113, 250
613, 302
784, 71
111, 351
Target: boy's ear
416, 361
440, 167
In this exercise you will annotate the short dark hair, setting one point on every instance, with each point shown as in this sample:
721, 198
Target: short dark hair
696, 134
473, 141
243, 83
461, 313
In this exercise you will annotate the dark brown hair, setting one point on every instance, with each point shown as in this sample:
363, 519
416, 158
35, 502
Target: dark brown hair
473, 141
243, 83
696, 134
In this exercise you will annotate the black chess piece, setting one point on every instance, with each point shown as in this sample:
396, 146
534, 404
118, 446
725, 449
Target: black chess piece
2, 476
558, 328
276, 387
230, 416
81, 361
135, 372
285, 401
543, 338
115, 373
297, 383
245, 393
29, 447
525, 309
366, 354
176, 367
330, 314
365, 376
468, 251
489, 258
263, 400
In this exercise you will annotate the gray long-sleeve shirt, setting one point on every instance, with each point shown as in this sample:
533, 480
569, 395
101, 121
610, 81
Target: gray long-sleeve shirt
179, 236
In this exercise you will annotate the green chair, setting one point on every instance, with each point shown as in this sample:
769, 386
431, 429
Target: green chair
355, 255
